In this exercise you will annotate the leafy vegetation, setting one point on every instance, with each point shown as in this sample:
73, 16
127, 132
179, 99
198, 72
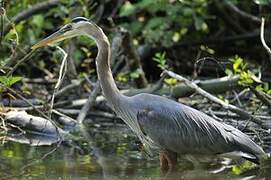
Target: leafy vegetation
247, 77
160, 22
9, 81
160, 58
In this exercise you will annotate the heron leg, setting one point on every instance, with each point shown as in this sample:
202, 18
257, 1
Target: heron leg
168, 161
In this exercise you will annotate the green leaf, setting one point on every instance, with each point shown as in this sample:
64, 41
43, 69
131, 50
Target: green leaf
9, 81
246, 166
170, 81
127, 9
135, 74
155, 23
188, 11
200, 24
237, 62
160, 58
147, 3
38, 20
228, 72
122, 77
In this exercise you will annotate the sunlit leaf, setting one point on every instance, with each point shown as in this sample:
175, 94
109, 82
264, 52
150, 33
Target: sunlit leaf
239, 169
122, 77
135, 74
200, 24
9, 81
170, 81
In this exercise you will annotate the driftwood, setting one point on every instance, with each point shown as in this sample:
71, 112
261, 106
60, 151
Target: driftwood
215, 86
34, 124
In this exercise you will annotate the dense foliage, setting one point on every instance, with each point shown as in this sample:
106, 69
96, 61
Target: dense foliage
187, 30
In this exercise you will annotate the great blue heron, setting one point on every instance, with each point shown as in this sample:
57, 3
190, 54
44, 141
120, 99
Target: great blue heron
158, 121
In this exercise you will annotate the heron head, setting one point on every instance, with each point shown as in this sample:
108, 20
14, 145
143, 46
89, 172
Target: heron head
78, 26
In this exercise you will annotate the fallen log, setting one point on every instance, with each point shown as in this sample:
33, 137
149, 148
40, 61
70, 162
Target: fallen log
33, 124
214, 86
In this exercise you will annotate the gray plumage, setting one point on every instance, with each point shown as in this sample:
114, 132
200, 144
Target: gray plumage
185, 130
158, 121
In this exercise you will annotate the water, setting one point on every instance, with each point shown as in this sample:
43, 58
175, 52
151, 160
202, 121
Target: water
102, 152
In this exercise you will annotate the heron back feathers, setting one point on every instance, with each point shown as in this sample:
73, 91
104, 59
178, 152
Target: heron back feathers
185, 130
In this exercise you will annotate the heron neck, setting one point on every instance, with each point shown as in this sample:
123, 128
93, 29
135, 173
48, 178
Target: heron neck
108, 85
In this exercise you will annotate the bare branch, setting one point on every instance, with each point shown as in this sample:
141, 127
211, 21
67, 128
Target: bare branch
241, 13
21, 61
262, 38
237, 110
90, 102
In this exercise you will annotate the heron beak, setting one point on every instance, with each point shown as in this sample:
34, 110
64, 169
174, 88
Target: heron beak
54, 38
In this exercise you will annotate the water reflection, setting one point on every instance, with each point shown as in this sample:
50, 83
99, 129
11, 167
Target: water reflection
99, 152
31, 139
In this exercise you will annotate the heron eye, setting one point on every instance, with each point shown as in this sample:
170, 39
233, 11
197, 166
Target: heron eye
68, 27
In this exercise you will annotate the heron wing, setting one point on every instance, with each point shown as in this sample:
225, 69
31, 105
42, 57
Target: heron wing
183, 129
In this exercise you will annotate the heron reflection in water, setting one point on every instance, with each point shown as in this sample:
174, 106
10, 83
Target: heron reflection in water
159, 122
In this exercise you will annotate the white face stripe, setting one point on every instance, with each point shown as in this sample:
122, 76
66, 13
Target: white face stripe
78, 19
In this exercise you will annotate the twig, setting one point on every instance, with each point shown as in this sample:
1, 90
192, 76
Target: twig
227, 18
44, 115
3, 126
90, 102
39, 81
68, 88
213, 115
2, 14
24, 59
263, 41
242, 113
158, 85
122, 46
231, 115
64, 115
62, 72
241, 13
26, 100
63, 67
262, 96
